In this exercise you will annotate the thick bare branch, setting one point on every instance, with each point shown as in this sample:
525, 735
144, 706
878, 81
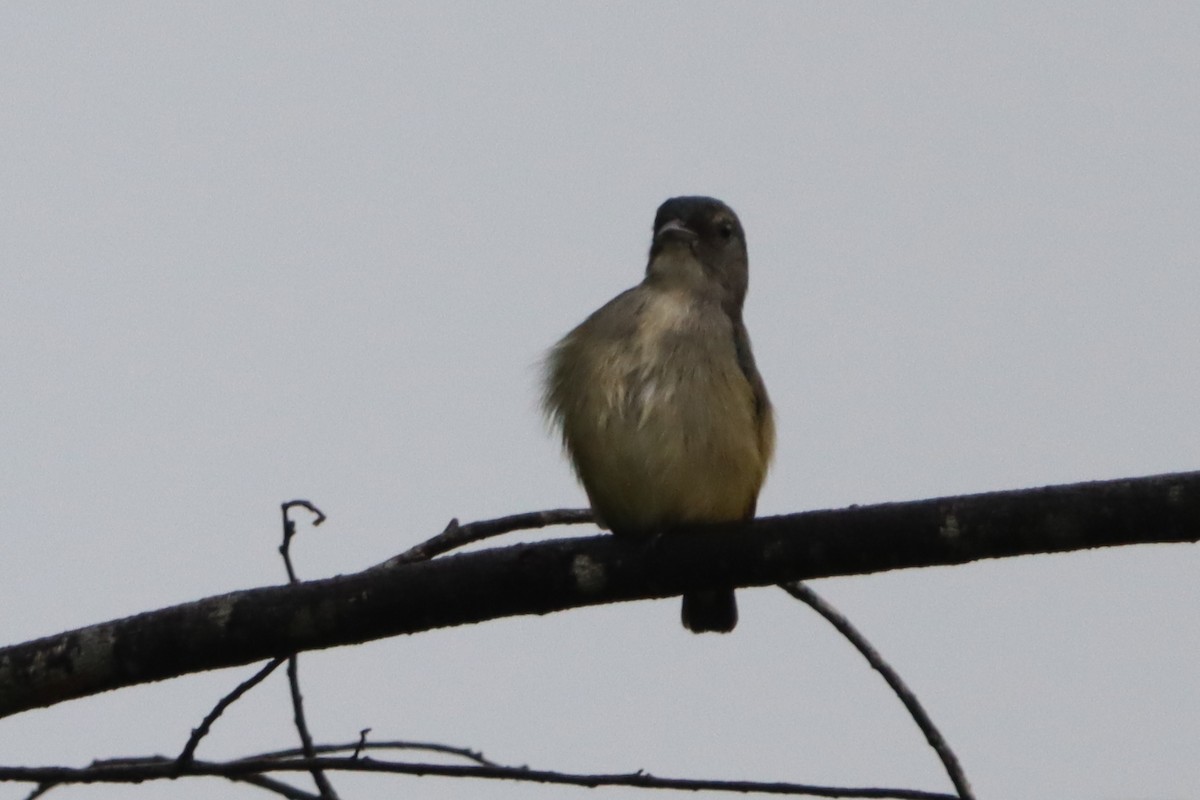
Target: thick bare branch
544, 577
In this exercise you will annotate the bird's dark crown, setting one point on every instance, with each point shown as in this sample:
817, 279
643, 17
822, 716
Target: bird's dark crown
697, 213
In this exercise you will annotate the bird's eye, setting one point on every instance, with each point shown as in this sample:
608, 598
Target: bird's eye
725, 229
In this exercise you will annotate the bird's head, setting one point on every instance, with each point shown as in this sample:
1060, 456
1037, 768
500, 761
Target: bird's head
699, 243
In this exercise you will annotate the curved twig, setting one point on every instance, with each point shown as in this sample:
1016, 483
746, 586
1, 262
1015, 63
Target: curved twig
189, 749
932, 735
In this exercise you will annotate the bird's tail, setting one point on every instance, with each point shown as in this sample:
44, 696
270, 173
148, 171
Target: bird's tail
710, 612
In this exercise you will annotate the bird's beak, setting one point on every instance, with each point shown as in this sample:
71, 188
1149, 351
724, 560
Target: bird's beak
674, 229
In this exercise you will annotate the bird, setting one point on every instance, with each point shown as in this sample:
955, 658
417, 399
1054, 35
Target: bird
657, 397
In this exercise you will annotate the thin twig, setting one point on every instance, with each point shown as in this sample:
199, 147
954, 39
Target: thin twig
278, 787
455, 535
289, 530
318, 774
362, 742
932, 735
293, 671
189, 750
428, 747
109, 765
160, 769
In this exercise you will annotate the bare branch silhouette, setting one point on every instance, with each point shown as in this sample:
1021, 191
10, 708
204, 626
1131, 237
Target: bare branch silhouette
259, 624
154, 768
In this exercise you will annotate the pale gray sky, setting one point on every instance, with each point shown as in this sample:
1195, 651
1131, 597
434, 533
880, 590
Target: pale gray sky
260, 251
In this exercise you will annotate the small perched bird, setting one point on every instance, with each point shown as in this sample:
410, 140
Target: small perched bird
661, 407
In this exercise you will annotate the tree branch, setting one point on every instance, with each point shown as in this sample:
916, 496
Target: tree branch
135, 771
544, 577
